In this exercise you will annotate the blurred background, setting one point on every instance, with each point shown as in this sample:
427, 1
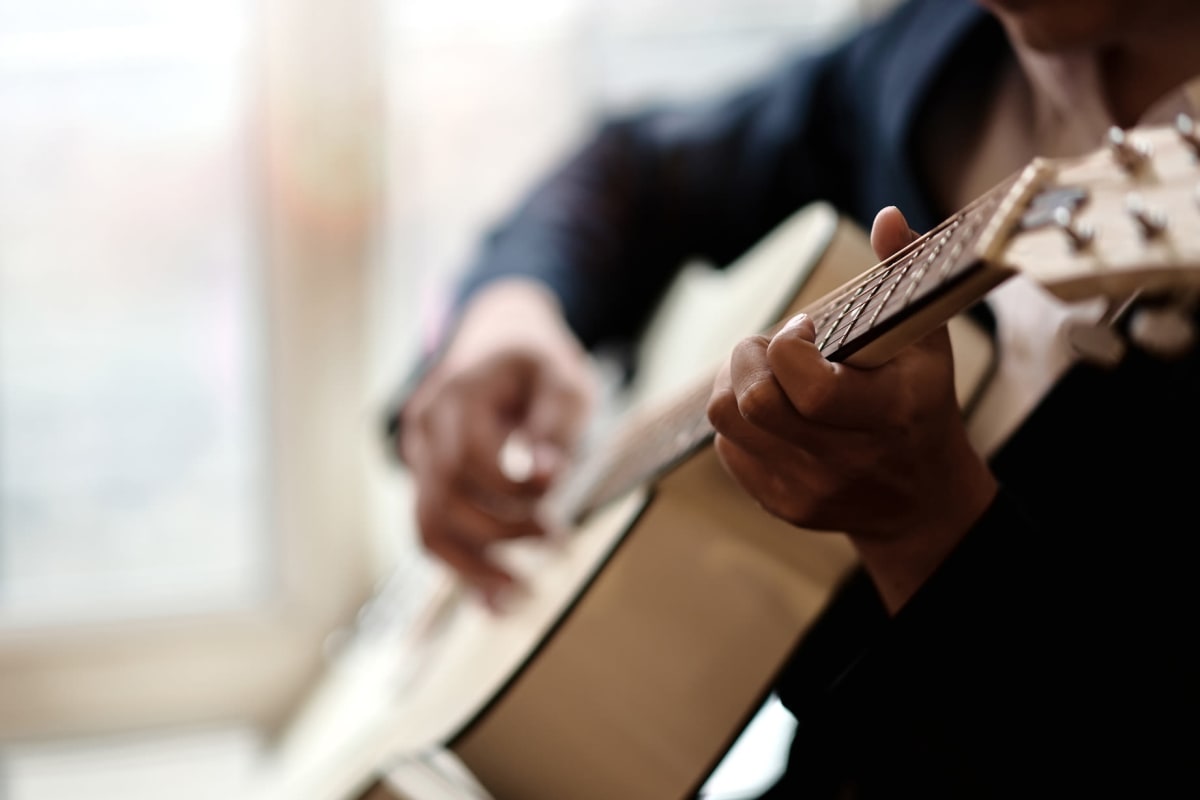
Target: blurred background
222, 223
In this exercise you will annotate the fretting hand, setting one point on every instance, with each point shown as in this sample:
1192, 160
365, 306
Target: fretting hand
881, 454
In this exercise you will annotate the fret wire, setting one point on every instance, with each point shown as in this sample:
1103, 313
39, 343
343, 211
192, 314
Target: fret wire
828, 305
684, 425
920, 274
960, 244
840, 333
947, 227
879, 272
890, 291
917, 277
858, 313
903, 264
885, 267
876, 278
972, 214
822, 314
841, 314
952, 258
949, 263
914, 280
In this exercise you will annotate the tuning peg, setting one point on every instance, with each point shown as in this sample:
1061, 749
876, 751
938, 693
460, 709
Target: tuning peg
1151, 222
1097, 344
1164, 331
1185, 126
1080, 236
1129, 154
1100, 342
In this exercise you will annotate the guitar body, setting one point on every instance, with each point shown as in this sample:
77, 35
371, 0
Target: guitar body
661, 661
654, 631
666, 651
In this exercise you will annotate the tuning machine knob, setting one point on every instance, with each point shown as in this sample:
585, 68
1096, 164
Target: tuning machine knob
1101, 342
1130, 154
1168, 332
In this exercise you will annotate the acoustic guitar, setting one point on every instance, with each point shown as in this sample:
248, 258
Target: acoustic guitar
653, 632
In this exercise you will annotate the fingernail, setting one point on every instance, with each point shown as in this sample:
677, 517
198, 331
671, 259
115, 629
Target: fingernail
500, 599
794, 322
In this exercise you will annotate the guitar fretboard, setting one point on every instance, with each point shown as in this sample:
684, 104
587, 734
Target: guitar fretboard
846, 320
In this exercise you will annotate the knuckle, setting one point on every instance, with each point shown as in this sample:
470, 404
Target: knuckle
784, 350
804, 375
787, 501
721, 405
431, 540
814, 398
730, 457
747, 351
797, 496
452, 386
759, 402
429, 534
786, 506
431, 524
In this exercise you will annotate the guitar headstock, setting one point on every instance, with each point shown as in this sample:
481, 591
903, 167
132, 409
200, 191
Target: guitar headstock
1122, 219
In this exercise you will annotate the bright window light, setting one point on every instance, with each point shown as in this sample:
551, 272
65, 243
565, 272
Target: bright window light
131, 383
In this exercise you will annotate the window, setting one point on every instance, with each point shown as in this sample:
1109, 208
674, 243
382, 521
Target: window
132, 437
185, 226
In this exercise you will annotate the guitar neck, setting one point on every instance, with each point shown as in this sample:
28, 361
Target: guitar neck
864, 322
901, 299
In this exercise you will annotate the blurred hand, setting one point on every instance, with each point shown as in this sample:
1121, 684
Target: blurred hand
513, 375
880, 454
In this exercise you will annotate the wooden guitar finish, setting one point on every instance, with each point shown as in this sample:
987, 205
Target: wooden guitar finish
655, 630
653, 634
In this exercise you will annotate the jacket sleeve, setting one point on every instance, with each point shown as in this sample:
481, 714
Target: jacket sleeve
652, 190
608, 229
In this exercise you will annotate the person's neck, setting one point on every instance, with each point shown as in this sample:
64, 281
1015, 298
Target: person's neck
1134, 78
1120, 70
1076, 94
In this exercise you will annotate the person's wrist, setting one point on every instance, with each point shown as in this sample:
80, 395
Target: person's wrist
508, 313
900, 564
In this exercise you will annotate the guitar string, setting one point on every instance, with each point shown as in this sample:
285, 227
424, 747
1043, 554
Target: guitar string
671, 433
677, 429
970, 219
